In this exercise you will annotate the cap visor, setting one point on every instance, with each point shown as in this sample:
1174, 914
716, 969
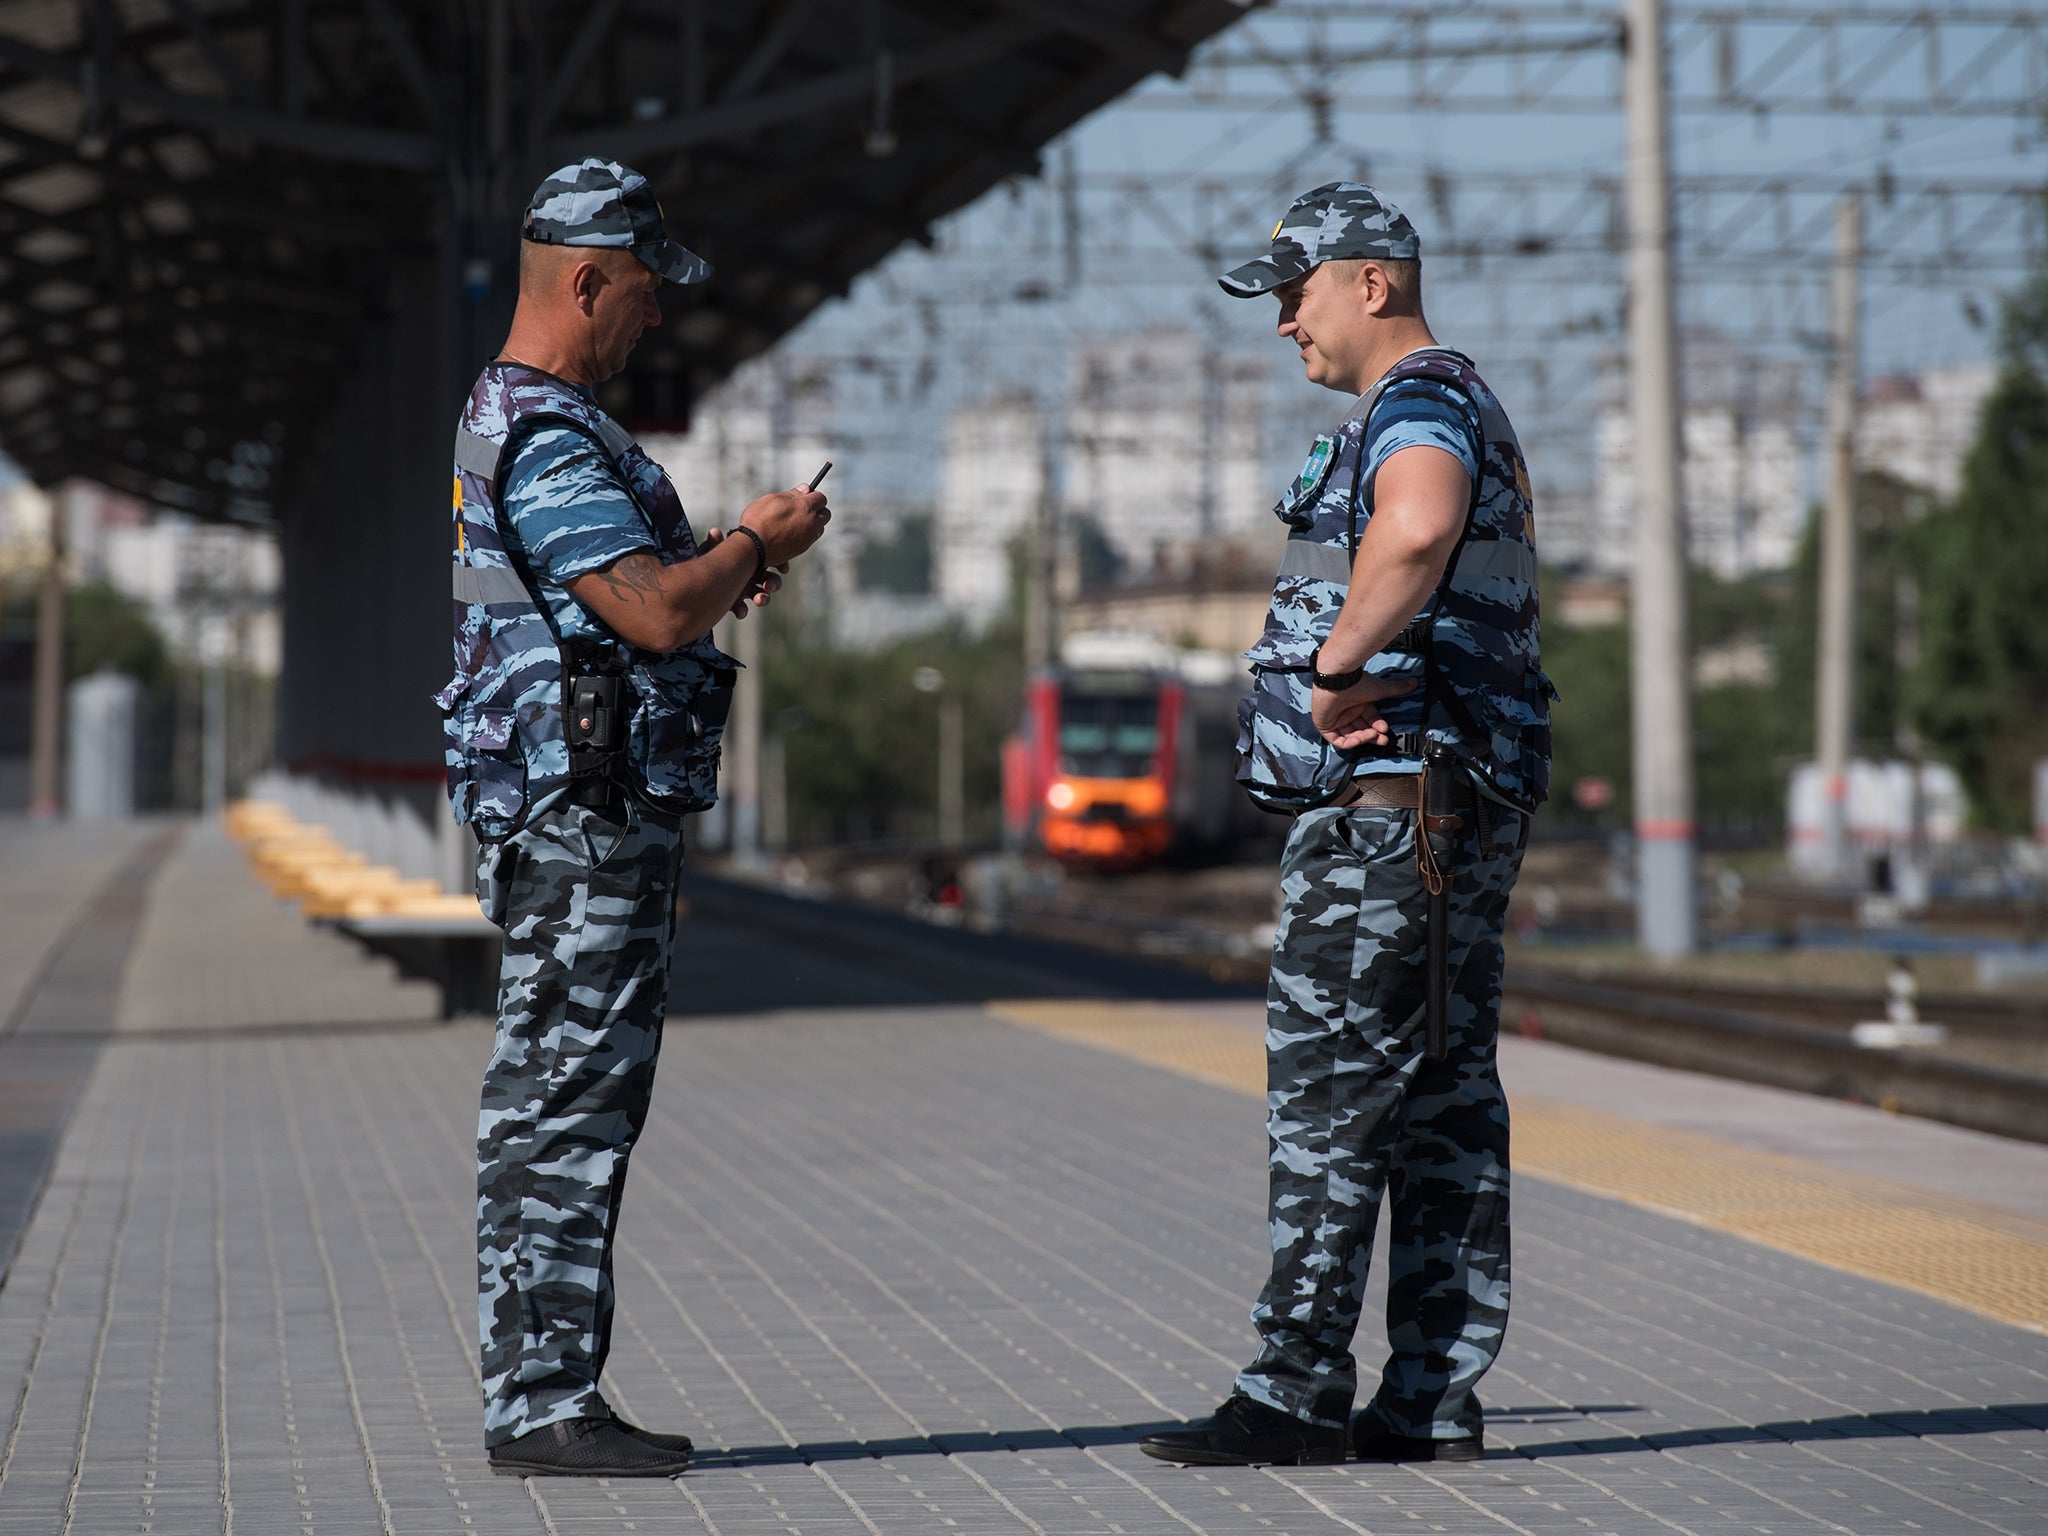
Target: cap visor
673, 262
1261, 276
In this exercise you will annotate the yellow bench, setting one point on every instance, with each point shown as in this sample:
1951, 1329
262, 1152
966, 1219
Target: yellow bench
308, 865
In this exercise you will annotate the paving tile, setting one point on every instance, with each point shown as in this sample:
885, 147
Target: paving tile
897, 1270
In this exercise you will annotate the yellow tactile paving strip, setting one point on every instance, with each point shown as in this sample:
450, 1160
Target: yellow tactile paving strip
1987, 1261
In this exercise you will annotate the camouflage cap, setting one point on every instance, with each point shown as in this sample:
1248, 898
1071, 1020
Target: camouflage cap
600, 202
1339, 221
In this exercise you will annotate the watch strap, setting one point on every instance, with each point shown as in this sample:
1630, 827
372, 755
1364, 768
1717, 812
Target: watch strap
1332, 682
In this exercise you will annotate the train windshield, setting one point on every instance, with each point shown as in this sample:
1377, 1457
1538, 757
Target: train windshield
1108, 735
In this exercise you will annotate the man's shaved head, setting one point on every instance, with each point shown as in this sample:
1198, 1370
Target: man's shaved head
542, 266
583, 306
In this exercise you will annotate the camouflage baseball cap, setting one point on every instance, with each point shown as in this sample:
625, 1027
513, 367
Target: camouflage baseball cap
1339, 221
600, 202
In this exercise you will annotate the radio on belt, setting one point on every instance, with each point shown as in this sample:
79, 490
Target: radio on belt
594, 713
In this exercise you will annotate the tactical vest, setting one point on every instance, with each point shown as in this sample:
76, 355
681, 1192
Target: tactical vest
1473, 650
508, 750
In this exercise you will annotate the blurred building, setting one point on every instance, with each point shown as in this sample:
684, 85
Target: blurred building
1751, 474
1165, 451
767, 428
764, 429
210, 589
1919, 427
210, 593
860, 617
992, 485
1223, 617
24, 527
1744, 477
1162, 473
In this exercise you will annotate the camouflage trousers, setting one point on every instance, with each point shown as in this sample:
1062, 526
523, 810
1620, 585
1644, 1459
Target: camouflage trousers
1357, 1113
587, 903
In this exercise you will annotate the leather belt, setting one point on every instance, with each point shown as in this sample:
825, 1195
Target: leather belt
1403, 792
1383, 792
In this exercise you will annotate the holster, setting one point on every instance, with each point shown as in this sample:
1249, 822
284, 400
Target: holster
596, 710
1438, 824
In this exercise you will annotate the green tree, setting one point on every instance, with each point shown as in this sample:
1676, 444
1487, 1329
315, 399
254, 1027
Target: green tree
902, 562
1590, 721
1980, 692
1888, 512
105, 628
861, 742
1747, 734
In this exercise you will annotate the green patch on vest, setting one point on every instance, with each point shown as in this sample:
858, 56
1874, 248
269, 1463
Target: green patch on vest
1322, 455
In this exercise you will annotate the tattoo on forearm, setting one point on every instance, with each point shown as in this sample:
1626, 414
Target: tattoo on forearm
637, 576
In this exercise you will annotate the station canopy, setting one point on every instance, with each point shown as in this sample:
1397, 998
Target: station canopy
205, 203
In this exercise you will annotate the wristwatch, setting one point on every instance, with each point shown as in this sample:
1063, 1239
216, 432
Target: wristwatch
1332, 682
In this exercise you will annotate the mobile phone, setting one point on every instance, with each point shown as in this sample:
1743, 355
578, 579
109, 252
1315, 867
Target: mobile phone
819, 476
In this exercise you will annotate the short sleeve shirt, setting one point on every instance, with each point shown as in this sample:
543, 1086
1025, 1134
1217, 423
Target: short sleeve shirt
1416, 413
570, 514
567, 510
1426, 413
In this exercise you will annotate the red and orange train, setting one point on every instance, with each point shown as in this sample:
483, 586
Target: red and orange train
1120, 766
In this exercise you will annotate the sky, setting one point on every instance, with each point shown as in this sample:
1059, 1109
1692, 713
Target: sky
989, 308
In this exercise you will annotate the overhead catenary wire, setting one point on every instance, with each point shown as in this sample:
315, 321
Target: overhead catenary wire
1755, 243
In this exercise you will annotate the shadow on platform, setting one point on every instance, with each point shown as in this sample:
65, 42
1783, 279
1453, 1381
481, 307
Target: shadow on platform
742, 949
1904, 1424
965, 1443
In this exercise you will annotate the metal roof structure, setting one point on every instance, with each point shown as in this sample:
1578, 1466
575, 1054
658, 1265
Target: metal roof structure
204, 202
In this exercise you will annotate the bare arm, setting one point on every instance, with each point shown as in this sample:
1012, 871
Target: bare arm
1419, 502
664, 607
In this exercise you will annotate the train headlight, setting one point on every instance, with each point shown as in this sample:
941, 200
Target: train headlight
1146, 798
1061, 796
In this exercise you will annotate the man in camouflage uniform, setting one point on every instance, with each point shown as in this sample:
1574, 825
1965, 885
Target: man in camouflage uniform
583, 721
1402, 634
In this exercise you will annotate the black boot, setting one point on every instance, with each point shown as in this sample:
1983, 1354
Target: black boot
1371, 1440
1244, 1433
584, 1448
676, 1444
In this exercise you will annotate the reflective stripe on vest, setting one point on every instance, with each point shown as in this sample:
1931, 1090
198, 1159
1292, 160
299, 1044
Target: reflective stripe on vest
1480, 560
476, 455
507, 746
489, 584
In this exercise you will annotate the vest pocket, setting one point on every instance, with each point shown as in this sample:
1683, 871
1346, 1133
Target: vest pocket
486, 760
1283, 763
1513, 754
495, 769
681, 736
449, 702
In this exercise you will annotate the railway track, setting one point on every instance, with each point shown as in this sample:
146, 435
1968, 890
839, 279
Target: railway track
1987, 1015
1664, 1027
1991, 1075
1131, 937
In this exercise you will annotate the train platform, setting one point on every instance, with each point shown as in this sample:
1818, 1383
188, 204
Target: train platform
924, 1233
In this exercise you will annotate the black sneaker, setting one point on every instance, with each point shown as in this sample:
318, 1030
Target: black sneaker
584, 1448
1244, 1433
1371, 1440
679, 1445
